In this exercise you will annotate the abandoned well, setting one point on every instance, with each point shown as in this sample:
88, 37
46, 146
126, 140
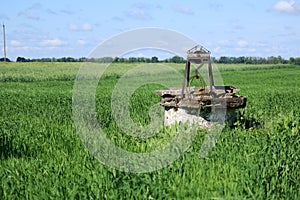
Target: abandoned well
200, 104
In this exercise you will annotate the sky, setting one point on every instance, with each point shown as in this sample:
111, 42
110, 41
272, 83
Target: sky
56, 28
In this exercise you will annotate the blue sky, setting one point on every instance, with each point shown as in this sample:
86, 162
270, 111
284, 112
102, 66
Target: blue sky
36, 29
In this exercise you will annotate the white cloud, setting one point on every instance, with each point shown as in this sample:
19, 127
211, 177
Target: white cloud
36, 6
86, 27
260, 44
218, 49
81, 42
73, 27
4, 17
223, 43
52, 43
242, 43
142, 10
142, 5
31, 12
30, 15
216, 6
291, 7
83, 27
15, 43
139, 14
183, 10
116, 18
49, 11
246, 51
23, 51
68, 12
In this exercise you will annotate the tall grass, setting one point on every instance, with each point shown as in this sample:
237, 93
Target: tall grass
42, 157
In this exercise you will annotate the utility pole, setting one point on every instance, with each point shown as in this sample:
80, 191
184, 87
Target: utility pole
4, 42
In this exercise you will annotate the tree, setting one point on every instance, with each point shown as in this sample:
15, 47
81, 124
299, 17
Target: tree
141, 59
279, 60
224, 60
70, 59
45, 60
154, 59
297, 61
107, 59
240, 59
83, 59
177, 59
292, 61
132, 59
122, 60
272, 60
22, 59
116, 59
2, 60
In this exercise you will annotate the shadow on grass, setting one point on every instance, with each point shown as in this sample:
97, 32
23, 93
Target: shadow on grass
10, 148
246, 122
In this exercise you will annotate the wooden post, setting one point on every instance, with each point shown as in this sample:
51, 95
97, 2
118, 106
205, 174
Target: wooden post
188, 73
4, 43
211, 79
186, 78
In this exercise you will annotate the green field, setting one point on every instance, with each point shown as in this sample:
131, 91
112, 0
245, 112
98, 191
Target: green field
42, 157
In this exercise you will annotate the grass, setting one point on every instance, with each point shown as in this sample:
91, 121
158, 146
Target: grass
42, 157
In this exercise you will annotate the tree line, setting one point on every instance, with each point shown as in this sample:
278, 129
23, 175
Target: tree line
256, 60
154, 59
174, 59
